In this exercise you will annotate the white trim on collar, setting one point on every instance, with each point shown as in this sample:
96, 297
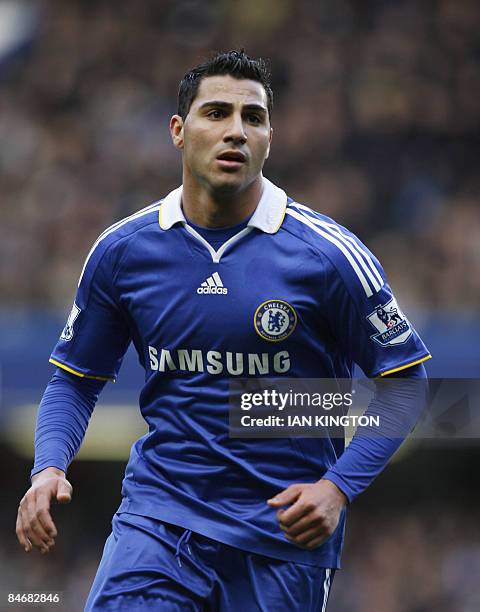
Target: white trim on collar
171, 209
268, 215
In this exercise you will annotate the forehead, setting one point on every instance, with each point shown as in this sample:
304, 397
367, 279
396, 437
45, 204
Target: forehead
225, 88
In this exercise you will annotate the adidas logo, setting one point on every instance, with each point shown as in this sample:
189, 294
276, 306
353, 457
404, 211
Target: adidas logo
213, 285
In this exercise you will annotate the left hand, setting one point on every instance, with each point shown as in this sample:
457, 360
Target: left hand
313, 514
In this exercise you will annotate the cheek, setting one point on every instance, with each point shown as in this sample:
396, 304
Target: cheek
196, 146
261, 148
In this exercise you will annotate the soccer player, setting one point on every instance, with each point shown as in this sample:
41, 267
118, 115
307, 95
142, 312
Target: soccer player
224, 277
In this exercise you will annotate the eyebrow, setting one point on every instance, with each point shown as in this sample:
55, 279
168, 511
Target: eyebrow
229, 106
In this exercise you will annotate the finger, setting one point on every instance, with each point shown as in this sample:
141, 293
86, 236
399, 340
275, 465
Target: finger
298, 510
285, 497
27, 529
44, 516
35, 532
306, 538
317, 542
64, 492
307, 522
22, 538
34, 510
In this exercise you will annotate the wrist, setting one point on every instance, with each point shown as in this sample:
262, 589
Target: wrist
48, 472
336, 491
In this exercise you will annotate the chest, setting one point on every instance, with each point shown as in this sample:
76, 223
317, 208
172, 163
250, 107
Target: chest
261, 300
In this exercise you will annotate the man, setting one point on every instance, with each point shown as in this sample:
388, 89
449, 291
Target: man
208, 521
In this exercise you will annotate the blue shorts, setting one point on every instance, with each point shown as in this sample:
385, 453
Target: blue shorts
151, 565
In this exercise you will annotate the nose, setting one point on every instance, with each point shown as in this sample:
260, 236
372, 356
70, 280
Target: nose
235, 131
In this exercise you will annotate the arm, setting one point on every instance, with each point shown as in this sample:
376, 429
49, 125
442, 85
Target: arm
89, 352
315, 508
63, 417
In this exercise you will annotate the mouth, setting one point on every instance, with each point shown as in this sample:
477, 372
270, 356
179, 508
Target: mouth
231, 159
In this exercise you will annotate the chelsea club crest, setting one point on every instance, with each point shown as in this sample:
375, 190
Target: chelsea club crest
274, 320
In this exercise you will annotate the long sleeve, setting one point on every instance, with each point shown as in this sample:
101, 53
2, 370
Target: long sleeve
399, 401
62, 419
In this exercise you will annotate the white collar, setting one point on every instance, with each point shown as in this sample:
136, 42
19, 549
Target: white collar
268, 215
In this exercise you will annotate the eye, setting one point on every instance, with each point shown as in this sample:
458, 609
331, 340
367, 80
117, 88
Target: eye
255, 119
216, 114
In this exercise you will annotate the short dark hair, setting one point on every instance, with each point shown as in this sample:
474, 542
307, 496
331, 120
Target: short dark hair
234, 63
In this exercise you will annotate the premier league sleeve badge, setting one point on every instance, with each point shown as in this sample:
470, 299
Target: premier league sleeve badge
391, 324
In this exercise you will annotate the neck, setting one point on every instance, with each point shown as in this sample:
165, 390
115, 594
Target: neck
219, 209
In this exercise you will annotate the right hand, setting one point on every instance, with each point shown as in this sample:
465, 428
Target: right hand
35, 526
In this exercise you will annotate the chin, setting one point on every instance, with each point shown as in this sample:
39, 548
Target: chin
232, 185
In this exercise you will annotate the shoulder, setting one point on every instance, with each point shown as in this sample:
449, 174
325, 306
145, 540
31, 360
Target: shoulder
119, 234
345, 252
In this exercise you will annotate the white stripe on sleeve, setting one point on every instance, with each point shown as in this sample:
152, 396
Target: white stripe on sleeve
115, 226
361, 255
346, 252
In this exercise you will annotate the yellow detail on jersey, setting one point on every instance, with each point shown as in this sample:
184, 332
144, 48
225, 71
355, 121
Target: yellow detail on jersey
408, 365
80, 374
283, 217
160, 217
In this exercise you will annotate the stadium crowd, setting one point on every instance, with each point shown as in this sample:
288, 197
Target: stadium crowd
376, 120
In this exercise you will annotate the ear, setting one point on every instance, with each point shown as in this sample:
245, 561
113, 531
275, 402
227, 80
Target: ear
176, 131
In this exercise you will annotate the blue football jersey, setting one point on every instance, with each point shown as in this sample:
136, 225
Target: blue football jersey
292, 294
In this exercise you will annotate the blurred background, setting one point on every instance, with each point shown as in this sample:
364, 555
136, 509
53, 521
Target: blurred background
376, 123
